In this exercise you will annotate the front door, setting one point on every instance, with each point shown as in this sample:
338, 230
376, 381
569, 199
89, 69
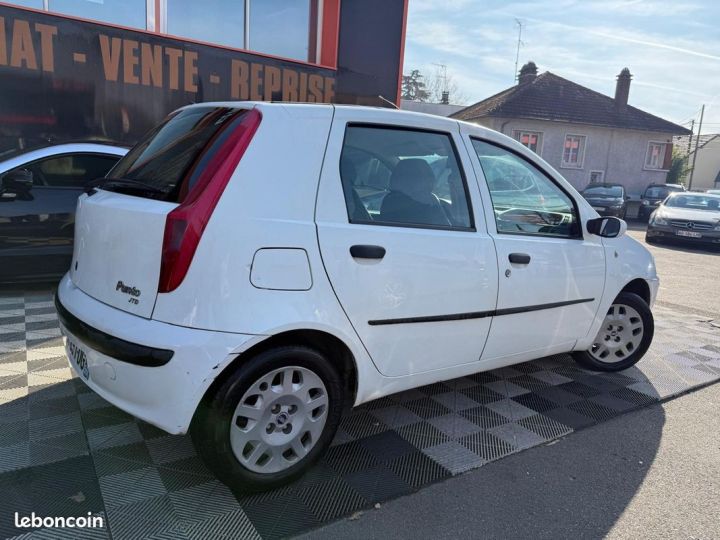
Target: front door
36, 227
410, 262
551, 274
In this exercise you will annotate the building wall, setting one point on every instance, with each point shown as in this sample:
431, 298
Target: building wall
620, 153
707, 166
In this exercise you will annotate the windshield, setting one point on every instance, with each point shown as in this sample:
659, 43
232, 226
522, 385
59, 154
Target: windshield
695, 202
605, 191
165, 159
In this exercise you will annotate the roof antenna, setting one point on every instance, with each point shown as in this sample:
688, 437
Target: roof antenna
386, 100
520, 43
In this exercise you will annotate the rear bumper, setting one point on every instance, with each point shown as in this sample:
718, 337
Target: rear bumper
155, 371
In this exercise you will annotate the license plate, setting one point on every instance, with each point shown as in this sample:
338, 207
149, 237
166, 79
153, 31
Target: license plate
78, 356
691, 234
599, 208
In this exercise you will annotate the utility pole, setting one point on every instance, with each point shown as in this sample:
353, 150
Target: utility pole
697, 147
692, 132
519, 44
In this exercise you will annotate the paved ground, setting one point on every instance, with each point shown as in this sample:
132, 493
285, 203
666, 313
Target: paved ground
688, 275
66, 452
654, 473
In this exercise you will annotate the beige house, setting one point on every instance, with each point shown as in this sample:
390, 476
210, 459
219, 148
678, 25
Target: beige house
587, 136
707, 165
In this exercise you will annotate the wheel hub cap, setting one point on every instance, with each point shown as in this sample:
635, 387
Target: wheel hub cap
620, 334
279, 419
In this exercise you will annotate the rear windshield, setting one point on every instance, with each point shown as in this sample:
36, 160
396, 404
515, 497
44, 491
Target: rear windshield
165, 158
660, 192
605, 191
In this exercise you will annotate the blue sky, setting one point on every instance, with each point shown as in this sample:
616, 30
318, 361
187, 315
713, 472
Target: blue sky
672, 47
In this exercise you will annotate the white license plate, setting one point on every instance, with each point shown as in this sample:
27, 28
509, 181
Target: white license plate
599, 208
79, 358
690, 234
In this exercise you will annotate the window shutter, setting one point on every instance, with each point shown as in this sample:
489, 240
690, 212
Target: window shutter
668, 156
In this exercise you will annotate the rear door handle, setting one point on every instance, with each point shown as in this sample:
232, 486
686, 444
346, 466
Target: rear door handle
367, 252
519, 258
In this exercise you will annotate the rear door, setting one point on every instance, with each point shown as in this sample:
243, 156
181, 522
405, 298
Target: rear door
120, 227
410, 261
552, 275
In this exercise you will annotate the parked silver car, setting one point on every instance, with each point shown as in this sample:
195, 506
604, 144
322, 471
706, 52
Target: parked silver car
690, 217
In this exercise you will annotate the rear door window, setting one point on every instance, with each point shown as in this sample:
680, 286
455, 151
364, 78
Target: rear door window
171, 156
405, 177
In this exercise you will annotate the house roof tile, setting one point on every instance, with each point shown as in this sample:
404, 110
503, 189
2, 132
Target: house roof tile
549, 97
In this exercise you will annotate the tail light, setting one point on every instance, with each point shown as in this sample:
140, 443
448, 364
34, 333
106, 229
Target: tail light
185, 224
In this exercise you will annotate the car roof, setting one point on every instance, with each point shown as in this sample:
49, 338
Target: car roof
603, 184
28, 155
15, 152
372, 113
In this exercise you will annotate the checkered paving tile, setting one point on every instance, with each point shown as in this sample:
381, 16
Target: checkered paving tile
64, 451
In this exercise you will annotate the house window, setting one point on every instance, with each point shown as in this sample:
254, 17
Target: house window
655, 157
596, 177
573, 151
530, 139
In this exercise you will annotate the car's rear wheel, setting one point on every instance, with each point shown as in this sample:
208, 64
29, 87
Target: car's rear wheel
624, 336
269, 421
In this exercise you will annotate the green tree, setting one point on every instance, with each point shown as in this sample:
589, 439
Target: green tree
678, 168
413, 87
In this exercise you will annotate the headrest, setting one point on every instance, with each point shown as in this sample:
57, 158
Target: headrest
412, 176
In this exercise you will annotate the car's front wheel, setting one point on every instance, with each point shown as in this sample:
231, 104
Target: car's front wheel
624, 336
270, 420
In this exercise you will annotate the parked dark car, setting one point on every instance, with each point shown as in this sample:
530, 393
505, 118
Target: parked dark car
38, 194
654, 195
607, 199
688, 217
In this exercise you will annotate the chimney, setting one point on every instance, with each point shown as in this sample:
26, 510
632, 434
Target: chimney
527, 73
622, 89
445, 98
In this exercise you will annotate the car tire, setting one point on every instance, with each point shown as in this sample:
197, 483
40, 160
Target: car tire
650, 240
247, 432
623, 338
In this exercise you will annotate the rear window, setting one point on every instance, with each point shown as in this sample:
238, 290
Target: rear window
170, 158
605, 191
660, 192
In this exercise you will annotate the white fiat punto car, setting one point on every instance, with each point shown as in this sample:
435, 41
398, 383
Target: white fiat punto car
249, 270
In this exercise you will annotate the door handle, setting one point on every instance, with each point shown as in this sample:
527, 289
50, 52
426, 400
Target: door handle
519, 258
367, 252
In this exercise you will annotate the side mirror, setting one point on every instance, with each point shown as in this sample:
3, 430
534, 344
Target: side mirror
18, 181
607, 227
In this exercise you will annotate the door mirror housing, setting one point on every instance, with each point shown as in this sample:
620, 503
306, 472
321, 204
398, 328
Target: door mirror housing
18, 181
607, 227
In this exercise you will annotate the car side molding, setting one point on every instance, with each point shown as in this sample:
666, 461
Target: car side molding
479, 314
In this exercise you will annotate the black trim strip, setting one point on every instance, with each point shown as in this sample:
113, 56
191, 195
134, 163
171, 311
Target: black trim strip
478, 314
119, 349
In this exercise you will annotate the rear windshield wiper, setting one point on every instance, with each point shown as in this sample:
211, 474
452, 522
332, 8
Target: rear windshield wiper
127, 183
